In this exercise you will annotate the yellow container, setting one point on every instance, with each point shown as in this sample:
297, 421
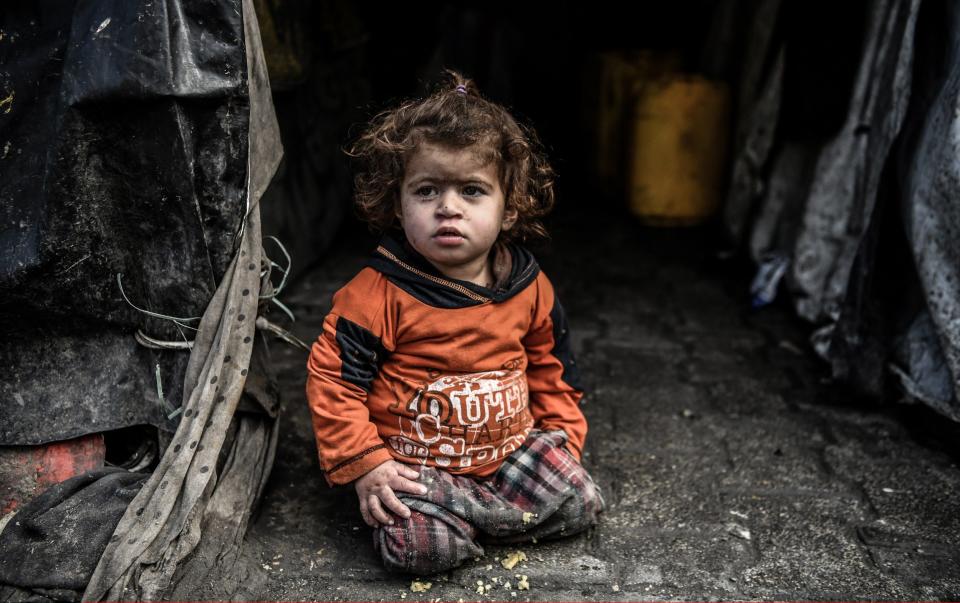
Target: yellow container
678, 150
619, 78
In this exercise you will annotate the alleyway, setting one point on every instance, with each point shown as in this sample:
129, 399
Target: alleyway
730, 469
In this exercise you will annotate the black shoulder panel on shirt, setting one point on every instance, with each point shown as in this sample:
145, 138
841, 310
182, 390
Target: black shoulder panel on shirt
561, 346
361, 354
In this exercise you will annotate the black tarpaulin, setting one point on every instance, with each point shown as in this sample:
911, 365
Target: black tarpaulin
124, 149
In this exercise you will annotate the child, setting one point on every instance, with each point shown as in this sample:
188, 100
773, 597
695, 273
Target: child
443, 386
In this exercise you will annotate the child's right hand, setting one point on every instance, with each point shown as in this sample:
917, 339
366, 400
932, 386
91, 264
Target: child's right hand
376, 490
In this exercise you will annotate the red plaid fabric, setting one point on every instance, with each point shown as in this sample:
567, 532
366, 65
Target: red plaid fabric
541, 479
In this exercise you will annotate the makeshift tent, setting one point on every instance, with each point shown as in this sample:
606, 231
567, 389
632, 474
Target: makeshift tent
138, 140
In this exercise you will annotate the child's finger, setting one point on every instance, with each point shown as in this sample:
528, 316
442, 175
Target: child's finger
377, 511
393, 503
405, 485
365, 513
407, 471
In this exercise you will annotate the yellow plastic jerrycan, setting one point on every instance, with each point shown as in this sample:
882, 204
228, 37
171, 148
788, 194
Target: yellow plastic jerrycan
678, 150
619, 77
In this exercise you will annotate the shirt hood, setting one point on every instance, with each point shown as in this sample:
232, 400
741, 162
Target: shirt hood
514, 269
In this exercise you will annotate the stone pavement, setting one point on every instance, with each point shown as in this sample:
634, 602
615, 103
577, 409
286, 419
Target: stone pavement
732, 468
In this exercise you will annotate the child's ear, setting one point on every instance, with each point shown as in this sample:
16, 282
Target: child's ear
397, 209
509, 218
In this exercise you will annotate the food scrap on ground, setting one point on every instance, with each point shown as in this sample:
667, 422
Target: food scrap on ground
523, 584
513, 559
420, 587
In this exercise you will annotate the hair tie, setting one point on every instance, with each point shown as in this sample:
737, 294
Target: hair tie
462, 89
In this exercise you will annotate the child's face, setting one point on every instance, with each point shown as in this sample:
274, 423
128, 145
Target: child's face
452, 208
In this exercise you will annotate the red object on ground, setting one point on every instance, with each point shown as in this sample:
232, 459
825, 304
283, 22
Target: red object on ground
26, 471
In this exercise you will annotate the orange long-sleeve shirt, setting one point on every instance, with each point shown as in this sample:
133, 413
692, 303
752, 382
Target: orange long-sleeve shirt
421, 368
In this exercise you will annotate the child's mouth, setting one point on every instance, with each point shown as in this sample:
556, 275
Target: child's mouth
448, 237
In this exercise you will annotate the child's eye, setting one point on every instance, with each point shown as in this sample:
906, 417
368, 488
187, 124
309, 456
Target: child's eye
425, 191
472, 191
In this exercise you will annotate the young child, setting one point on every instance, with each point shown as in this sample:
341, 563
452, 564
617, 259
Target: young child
443, 386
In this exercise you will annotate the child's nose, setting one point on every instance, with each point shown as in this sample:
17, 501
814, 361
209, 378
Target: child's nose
449, 205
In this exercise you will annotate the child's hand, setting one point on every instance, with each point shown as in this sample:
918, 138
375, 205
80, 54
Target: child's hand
375, 489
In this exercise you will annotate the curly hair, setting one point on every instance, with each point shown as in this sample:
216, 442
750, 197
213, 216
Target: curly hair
455, 115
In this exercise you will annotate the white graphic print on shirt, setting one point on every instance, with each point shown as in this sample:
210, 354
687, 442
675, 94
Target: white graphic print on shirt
467, 420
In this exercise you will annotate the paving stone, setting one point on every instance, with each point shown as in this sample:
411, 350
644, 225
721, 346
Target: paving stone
629, 365
642, 337
638, 299
805, 548
723, 337
707, 316
917, 496
711, 366
745, 397
686, 401
779, 454
701, 558
929, 574
662, 476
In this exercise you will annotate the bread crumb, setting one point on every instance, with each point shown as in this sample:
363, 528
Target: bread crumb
420, 587
511, 560
616, 588
523, 584
528, 517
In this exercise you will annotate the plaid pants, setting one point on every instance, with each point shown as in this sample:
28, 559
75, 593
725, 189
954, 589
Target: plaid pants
540, 491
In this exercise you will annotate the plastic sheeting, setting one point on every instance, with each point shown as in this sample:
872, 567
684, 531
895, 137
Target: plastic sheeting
929, 170
843, 190
864, 214
124, 144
